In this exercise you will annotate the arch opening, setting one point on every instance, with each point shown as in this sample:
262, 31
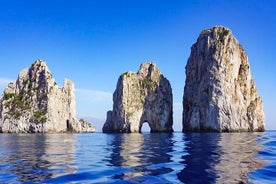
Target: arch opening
145, 127
68, 125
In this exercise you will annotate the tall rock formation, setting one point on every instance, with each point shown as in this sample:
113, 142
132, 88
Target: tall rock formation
36, 104
141, 97
220, 94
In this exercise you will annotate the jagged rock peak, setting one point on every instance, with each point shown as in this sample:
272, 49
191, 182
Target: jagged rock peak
38, 75
216, 33
149, 70
220, 93
36, 104
145, 96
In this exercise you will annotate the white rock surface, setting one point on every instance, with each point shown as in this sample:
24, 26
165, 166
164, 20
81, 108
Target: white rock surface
36, 104
220, 94
141, 97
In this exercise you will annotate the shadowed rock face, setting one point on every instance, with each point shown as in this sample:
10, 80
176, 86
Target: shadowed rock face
220, 94
145, 96
36, 104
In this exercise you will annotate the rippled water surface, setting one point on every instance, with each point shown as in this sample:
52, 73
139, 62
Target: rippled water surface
138, 158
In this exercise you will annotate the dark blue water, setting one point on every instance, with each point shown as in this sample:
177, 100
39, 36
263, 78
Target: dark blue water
138, 158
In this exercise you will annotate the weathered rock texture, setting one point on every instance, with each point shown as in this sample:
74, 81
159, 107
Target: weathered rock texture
36, 104
220, 94
141, 97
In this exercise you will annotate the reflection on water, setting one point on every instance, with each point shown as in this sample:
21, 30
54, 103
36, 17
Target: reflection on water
203, 155
141, 155
136, 158
34, 158
220, 158
238, 157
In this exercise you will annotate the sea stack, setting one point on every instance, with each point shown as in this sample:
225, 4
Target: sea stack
220, 94
145, 96
35, 104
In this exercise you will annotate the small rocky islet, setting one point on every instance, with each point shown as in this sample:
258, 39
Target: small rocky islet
219, 96
145, 96
35, 104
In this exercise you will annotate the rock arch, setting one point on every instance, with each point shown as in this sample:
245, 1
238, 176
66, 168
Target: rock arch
139, 97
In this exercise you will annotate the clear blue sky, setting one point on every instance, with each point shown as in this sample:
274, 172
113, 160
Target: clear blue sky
92, 42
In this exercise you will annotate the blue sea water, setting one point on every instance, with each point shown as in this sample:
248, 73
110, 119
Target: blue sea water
138, 158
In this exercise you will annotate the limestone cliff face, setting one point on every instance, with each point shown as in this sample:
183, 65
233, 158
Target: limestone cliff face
141, 97
220, 94
36, 104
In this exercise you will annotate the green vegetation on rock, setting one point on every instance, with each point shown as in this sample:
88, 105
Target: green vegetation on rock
149, 84
222, 33
16, 104
40, 116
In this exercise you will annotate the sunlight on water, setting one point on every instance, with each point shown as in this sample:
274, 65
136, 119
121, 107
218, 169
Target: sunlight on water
138, 158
